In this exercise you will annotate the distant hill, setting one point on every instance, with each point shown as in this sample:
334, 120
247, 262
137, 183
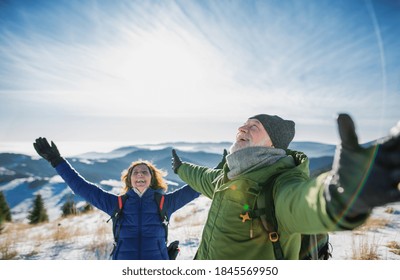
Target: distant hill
313, 149
22, 176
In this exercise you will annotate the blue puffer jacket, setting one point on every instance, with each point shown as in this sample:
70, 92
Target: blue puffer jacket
141, 236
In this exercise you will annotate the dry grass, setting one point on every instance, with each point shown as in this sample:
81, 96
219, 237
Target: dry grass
10, 236
62, 233
390, 210
101, 246
188, 217
374, 223
29, 239
184, 216
7, 249
365, 249
394, 247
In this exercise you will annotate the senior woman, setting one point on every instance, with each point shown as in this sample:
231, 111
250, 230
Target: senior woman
141, 235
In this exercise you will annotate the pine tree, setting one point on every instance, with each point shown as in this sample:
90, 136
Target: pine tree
38, 214
69, 208
88, 207
5, 213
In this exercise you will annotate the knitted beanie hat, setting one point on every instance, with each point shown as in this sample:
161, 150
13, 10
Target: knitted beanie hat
279, 130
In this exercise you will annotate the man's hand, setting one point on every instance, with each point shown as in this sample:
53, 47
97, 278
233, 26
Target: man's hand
176, 161
49, 153
362, 178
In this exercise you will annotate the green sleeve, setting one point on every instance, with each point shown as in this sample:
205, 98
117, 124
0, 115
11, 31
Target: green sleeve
300, 206
200, 178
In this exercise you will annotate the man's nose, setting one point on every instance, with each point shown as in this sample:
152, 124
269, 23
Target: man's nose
243, 128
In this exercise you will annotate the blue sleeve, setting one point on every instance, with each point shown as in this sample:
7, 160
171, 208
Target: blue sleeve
90, 192
179, 198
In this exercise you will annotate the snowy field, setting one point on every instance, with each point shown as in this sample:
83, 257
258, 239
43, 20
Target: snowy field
89, 236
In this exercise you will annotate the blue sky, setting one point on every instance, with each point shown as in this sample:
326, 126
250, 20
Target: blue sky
156, 71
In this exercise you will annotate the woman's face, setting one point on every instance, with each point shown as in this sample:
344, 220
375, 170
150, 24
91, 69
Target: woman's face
141, 177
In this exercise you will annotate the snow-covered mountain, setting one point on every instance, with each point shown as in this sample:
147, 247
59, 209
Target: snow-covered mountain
23, 176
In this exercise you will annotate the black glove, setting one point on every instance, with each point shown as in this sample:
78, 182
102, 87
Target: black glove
221, 164
362, 178
49, 153
176, 161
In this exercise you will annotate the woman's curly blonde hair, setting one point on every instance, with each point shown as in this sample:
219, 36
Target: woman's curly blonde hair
157, 176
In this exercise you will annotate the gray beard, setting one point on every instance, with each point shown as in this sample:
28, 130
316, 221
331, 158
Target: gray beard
235, 147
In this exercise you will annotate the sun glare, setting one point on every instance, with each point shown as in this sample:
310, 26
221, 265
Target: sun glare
161, 65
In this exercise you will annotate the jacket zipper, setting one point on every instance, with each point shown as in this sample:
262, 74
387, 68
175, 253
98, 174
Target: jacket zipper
140, 226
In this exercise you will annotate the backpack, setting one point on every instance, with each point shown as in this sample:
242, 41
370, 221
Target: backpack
313, 247
173, 247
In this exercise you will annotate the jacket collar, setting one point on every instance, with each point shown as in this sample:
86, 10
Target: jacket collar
147, 193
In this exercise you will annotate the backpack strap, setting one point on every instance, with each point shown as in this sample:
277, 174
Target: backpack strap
160, 198
266, 212
173, 247
115, 217
118, 214
269, 221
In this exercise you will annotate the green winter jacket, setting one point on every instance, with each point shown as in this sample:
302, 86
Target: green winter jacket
299, 206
